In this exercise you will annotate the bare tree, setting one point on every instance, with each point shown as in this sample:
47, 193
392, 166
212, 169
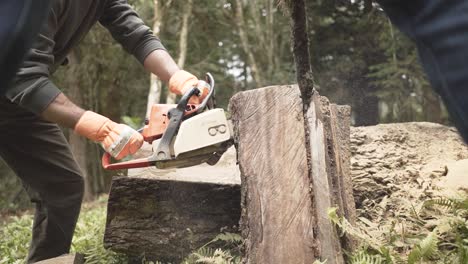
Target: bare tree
154, 94
246, 45
171, 97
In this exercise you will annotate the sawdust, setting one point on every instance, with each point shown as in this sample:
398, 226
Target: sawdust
396, 167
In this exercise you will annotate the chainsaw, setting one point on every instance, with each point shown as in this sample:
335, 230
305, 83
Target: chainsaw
182, 134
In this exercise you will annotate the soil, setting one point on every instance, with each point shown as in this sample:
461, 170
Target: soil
396, 167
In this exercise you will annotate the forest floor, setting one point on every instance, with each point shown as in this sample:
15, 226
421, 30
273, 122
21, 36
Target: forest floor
396, 168
396, 164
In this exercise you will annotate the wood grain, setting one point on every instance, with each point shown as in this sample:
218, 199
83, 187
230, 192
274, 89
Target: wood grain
288, 186
323, 190
277, 219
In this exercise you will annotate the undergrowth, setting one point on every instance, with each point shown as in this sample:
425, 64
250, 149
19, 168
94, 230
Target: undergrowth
439, 234
15, 236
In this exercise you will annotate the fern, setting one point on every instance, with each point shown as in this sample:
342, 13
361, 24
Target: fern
363, 257
219, 256
347, 228
425, 249
451, 204
230, 238
208, 255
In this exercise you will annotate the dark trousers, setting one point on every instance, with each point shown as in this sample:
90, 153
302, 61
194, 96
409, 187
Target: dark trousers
440, 31
39, 154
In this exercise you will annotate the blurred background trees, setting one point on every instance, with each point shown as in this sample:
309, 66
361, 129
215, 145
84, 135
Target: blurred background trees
358, 58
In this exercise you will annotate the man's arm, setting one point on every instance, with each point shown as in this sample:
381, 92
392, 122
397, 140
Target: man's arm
137, 38
34, 91
63, 111
117, 139
160, 63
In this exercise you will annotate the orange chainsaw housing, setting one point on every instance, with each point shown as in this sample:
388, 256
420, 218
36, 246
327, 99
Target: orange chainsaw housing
158, 120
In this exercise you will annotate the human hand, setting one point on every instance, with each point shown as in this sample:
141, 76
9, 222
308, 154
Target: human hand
119, 140
182, 81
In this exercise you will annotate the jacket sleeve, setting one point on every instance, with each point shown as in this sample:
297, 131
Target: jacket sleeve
129, 30
32, 88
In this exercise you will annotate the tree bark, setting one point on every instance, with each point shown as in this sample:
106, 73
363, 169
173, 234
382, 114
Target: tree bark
171, 97
167, 214
287, 185
300, 47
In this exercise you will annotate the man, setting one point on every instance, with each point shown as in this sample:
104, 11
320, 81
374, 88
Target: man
440, 30
32, 143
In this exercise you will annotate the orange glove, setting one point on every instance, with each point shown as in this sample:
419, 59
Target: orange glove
119, 140
182, 81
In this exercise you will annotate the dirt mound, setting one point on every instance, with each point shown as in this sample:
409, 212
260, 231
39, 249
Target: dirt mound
397, 166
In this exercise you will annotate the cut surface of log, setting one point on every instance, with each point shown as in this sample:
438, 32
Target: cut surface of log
167, 214
277, 219
288, 187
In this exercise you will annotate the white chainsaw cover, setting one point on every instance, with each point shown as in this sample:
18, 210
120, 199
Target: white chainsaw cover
205, 129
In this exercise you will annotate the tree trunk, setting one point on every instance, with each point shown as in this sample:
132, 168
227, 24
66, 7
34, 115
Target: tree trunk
300, 47
271, 38
154, 94
78, 144
287, 185
171, 97
246, 45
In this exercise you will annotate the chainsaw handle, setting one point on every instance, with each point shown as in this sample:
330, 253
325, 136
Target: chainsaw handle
131, 164
210, 80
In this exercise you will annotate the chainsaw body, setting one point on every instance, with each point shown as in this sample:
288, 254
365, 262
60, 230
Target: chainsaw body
182, 134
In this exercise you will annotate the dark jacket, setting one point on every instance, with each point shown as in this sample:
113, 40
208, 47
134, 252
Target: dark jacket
67, 24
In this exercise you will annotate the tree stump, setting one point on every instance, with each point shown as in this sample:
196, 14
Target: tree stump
167, 214
287, 189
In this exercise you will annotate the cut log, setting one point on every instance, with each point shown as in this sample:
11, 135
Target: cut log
287, 188
67, 259
285, 196
167, 214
